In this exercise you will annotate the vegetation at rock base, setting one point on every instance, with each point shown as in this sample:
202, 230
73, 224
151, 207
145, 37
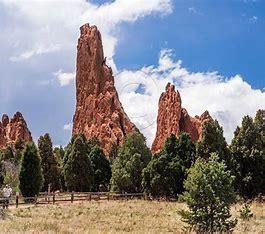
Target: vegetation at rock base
133, 157
78, 171
101, 168
30, 177
248, 150
167, 170
49, 164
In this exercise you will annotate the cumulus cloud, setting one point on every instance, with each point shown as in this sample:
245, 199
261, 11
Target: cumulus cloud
228, 99
64, 78
36, 28
44, 23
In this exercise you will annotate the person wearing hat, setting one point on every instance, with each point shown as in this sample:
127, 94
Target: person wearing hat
7, 192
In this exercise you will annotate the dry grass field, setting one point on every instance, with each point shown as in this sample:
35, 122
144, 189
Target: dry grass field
136, 216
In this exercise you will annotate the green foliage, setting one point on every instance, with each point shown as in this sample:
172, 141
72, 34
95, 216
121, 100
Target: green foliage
245, 212
31, 178
101, 168
213, 141
59, 155
209, 195
49, 164
167, 170
113, 152
248, 150
127, 167
78, 170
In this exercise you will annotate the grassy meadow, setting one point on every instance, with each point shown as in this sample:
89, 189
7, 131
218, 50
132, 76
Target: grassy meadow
136, 216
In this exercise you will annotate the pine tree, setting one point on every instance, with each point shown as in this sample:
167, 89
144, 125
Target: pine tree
49, 164
213, 141
78, 170
167, 170
209, 195
127, 168
31, 177
101, 168
248, 150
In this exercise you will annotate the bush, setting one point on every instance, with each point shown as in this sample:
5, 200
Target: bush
209, 195
245, 212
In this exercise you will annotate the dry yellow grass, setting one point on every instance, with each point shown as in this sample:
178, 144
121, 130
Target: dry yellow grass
136, 216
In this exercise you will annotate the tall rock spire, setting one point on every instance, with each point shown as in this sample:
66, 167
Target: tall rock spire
99, 112
173, 119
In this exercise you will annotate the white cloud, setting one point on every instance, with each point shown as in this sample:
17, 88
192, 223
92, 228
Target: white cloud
44, 23
35, 51
68, 127
227, 98
64, 78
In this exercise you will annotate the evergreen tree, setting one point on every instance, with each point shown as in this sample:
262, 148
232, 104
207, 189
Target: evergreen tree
113, 152
59, 155
101, 168
127, 168
31, 178
167, 170
212, 141
49, 163
78, 171
249, 153
209, 195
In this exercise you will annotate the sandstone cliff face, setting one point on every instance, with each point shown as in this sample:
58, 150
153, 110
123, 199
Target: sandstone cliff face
99, 112
173, 119
14, 129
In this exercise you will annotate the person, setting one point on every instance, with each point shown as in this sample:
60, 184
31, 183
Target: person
7, 192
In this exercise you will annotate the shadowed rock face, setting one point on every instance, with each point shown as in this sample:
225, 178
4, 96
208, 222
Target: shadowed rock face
99, 112
173, 119
13, 130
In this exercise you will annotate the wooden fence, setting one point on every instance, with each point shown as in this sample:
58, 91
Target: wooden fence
45, 198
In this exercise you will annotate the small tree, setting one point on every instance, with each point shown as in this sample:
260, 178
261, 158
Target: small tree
209, 195
31, 178
78, 171
49, 164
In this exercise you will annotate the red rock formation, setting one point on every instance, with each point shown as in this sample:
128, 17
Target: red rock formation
14, 129
99, 112
173, 119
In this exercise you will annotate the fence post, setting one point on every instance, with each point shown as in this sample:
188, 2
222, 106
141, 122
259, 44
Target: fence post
36, 200
16, 201
53, 199
72, 197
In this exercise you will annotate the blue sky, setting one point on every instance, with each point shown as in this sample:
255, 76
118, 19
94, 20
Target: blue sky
213, 51
226, 36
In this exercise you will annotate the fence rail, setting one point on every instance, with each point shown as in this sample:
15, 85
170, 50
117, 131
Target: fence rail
52, 198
